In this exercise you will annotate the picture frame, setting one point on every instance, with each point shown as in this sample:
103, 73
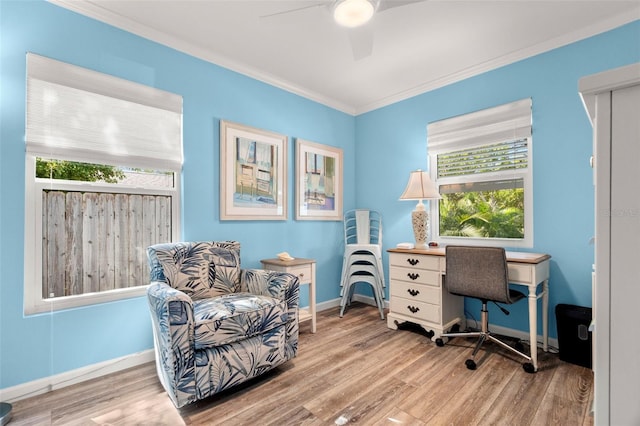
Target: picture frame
253, 173
319, 181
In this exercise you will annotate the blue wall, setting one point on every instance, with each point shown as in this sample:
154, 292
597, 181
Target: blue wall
380, 148
391, 141
42, 345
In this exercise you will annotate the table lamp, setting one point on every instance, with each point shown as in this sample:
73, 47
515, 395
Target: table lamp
420, 187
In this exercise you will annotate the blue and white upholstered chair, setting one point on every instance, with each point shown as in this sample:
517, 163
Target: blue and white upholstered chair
216, 325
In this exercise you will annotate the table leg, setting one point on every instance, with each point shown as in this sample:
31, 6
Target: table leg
545, 315
533, 325
312, 297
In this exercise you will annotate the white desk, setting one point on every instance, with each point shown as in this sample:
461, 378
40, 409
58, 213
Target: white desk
417, 294
305, 270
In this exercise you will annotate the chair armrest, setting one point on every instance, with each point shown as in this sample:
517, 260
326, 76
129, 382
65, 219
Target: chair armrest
173, 335
280, 285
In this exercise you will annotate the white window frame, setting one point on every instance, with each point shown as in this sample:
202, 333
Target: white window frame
503, 123
166, 157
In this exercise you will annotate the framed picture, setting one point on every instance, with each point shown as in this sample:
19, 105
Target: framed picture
318, 181
253, 173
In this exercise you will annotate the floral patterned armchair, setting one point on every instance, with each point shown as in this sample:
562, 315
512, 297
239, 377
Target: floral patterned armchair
214, 324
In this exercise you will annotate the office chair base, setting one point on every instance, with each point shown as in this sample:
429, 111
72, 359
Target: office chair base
482, 337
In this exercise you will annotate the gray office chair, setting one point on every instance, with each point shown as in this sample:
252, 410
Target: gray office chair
481, 273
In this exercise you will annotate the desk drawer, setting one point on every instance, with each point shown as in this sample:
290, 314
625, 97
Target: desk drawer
411, 291
520, 273
415, 309
415, 261
418, 276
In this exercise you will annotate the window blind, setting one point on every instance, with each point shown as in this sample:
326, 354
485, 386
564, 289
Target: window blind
503, 123
500, 157
83, 115
493, 185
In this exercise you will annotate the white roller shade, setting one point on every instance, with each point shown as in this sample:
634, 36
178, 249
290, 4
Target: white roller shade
499, 124
76, 113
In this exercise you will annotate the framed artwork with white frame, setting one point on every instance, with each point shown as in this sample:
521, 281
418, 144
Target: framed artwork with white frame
318, 181
253, 173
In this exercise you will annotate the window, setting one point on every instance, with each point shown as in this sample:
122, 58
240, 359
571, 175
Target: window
103, 164
481, 163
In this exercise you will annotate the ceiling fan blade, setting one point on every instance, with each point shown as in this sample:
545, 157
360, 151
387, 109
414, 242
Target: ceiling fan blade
361, 39
297, 9
390, 4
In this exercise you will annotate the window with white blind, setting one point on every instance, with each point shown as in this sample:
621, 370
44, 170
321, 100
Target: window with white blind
481, 163
103, 164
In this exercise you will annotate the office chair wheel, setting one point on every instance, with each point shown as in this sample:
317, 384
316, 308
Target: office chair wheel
528, 367
471, 364
519, 346
439, 342
429, 334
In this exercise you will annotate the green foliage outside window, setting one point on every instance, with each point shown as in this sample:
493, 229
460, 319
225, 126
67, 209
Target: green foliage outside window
483, 214
71, 170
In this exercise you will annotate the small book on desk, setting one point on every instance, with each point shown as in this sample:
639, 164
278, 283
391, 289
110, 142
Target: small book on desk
407, 246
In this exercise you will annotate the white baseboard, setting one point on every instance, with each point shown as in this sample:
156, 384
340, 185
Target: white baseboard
47, 384
58, 381
497, 329
518, 334
334, 303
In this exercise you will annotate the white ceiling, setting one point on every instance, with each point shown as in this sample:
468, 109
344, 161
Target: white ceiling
416, 47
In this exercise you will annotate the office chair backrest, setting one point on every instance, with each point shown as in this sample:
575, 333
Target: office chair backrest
479, 272
362, 227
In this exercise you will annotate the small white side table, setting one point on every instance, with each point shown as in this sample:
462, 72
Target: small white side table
305, 270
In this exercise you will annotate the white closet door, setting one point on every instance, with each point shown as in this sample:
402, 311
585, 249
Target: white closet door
625, 256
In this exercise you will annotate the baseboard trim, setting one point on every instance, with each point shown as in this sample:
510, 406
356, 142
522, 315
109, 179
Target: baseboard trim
497, 329
369, 300
519, 334
68, 378
58, 381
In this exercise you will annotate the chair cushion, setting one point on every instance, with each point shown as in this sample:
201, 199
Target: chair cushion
201, 270
227, 319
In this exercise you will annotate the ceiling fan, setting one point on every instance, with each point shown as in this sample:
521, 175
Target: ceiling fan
353, 15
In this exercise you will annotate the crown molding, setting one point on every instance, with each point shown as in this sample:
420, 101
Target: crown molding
94, 11
546, 46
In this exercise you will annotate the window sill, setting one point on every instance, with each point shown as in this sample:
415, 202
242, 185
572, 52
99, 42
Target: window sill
61, 303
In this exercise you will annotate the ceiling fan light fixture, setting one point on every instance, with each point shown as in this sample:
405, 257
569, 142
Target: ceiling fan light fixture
353, 13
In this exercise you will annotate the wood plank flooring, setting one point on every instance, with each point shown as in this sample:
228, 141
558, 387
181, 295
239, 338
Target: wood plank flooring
353, 370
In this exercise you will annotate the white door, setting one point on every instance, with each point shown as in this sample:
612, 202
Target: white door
624, 408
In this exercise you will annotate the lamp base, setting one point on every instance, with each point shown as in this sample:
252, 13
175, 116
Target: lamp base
419, 222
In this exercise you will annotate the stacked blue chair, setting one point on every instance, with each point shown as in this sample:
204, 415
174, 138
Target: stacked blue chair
362, 261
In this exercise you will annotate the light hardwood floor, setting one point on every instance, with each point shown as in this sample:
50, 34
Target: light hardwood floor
353, 370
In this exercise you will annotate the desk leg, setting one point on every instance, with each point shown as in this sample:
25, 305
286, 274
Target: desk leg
545, 315
533, 326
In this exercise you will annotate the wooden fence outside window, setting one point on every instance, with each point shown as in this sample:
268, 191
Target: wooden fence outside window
97, 241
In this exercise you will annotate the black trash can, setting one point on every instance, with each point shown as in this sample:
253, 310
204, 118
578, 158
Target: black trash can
574, 337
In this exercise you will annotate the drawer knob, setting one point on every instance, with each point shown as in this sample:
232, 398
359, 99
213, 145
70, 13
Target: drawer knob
413, 292
413, 262
413, 309
413, 276
301, 275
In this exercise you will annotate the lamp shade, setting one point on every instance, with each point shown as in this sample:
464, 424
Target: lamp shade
420, 187
353, 13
